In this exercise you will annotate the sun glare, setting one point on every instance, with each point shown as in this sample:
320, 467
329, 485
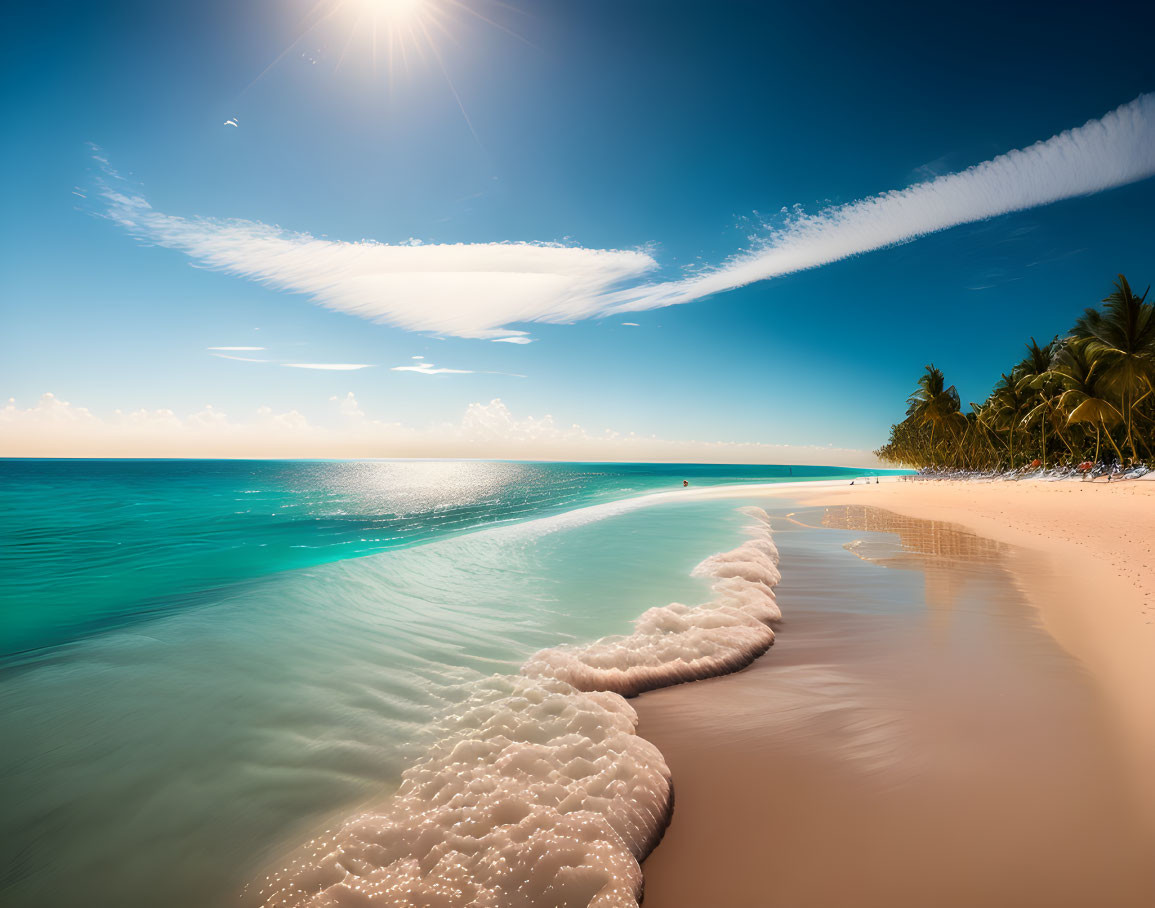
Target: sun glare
394, 11
382, 40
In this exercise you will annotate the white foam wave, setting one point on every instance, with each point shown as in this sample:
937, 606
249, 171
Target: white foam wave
677, 643
539, 792
588, 514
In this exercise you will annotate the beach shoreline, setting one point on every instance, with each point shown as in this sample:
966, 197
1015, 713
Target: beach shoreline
1080, 557
1083, 554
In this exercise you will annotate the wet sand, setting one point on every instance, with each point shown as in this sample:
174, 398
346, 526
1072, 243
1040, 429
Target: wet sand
1083, 555
914, 737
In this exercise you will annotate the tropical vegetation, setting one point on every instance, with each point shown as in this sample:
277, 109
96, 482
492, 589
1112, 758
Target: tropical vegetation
1086, 398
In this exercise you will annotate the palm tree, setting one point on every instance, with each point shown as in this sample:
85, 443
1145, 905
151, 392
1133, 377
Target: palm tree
1039, 394
1122, 337
1084, 399
1009, 406
1102, 375
986, 416
933, 404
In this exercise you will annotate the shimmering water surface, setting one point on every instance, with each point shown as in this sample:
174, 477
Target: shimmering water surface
89, 544
208, 662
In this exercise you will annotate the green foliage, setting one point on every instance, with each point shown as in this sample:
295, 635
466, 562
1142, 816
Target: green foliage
1065, 402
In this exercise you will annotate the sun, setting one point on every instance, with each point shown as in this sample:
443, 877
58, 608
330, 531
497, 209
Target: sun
394, 11
383, 35
382, 41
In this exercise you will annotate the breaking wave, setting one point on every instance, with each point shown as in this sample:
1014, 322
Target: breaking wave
539, 792
676, 643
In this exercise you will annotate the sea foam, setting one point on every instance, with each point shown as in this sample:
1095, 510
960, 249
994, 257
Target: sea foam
676, 643
539, 792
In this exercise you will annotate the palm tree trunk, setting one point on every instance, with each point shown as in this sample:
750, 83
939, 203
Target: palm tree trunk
1142, 440
1063, 438
1130, 437
1118, 453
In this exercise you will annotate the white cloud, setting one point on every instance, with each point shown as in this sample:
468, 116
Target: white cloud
54, 428
348, 407
329, 367
1117, 149
519, 339
430, 369
478, 290
240, 359
426, 368
631, 325
462, 290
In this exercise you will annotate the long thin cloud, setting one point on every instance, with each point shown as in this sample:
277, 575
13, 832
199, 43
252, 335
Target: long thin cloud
430, 369
329, 367
239, 359
427, 368
1112, 151
478, 290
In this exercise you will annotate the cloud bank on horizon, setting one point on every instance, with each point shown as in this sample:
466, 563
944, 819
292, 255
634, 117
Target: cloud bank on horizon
479, 290
53, 427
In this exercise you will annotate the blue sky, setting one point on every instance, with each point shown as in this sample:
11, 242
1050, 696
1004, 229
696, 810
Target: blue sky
652, 141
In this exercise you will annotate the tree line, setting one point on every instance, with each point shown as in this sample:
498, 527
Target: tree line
1083, 398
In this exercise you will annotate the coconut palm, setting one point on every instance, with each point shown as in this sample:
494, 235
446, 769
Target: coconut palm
935, 405
1009, 406
1084, 398
1102, 376
1122, 337
1040, 392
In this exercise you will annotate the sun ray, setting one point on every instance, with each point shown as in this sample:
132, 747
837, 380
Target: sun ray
453, 89
392, 37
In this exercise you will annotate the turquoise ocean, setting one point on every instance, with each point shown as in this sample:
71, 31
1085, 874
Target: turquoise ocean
202, 663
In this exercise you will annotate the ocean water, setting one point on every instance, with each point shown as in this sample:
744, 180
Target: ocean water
210, 662
90, 544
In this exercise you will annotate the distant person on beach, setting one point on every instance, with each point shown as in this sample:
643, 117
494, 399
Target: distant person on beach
685, 482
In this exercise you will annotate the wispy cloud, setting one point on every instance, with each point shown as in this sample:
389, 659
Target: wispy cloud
235, 349
425, 368
460, 290
478, 290
239, 359
329, 367
430, 369
631, 325
1117, 149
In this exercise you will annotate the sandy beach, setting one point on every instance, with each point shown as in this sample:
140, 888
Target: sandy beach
1084, 555
996, 750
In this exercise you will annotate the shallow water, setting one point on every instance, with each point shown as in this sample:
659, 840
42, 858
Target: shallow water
171, 761
93, 544
914, 737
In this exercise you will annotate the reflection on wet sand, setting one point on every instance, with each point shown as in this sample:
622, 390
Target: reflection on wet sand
946, 554
909, 741
920, 542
